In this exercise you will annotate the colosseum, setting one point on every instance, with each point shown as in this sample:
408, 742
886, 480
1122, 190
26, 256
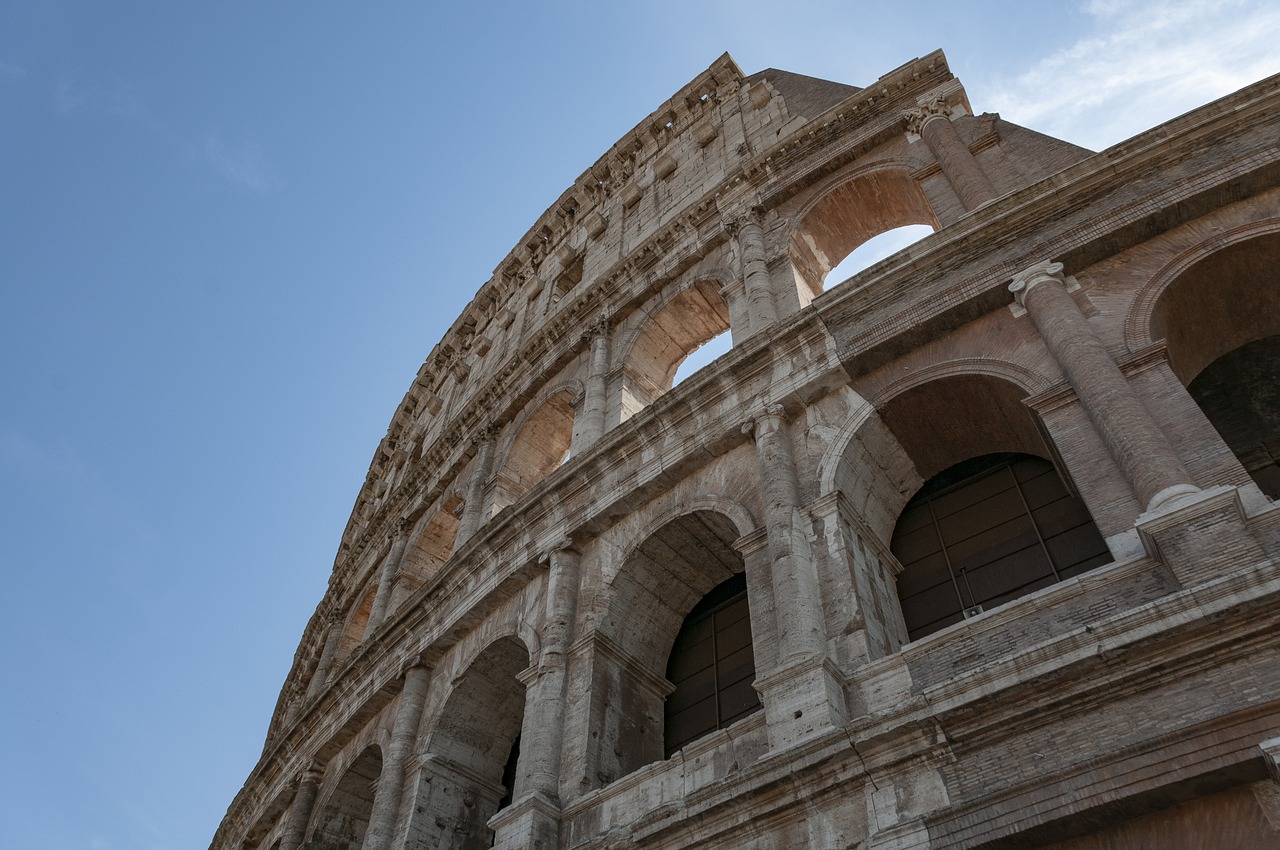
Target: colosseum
976, 548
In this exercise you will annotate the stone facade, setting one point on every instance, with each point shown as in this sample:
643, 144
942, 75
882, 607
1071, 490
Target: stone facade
491, 662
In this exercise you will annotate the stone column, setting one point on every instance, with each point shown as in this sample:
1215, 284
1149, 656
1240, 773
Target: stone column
795, 584
590, 422
802, 694
386, 577
932, 122
755, 273
545, 714
332, 640
299, 814
473, 506
386, 800
1132, 437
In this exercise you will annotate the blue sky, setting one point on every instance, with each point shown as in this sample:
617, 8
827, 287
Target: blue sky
230, 233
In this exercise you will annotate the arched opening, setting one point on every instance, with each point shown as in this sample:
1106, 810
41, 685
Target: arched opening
429, 551
712, 667
687, 322
1240, 394
875, 249
990, 517
655, 595
1221, 321
985, 531
345, 817
539, 449
353, 634
471, 766
703, 355
851, 214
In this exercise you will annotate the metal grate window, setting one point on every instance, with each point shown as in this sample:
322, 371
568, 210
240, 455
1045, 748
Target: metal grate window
984, 532
712, 666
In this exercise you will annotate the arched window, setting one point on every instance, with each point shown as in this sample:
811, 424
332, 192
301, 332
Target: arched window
539, 449
683, 325
1240, 394
851, 214
345, 816
985, 531
1220, 318
712, 666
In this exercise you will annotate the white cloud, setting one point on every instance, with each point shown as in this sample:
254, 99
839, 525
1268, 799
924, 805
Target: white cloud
1147, 61
245, 165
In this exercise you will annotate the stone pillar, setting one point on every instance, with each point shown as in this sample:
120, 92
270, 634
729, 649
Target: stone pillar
590, 422
755, 273
473, 506
332, 640
1131, 436
547, 709
386, 577
299, 814
802, 694
932, 122
386, 800
801, 632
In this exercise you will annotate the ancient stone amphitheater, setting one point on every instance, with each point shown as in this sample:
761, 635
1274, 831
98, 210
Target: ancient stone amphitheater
976, 548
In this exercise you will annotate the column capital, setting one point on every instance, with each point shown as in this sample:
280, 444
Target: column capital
1046, 271
563, 545
769, 421
600, 328
733, 224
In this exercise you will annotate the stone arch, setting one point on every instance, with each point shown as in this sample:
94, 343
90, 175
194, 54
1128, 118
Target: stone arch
983, 495
471, 749
344, 815
429, 549
662, 334
357, 623
1140, 324
850, 209
664, 575
538, 444
1217, 309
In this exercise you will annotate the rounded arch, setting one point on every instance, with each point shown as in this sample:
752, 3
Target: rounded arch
472, 748
666, 573
354, 628
430, 547
1217, 308
1210, 305
850, 209
537, 443
343, 817
1141, 325
663, 333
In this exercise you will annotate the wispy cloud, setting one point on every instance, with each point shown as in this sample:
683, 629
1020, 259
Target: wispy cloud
73, 95
245, 165
10, 72
1147, 61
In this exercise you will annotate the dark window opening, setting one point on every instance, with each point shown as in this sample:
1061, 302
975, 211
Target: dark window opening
984, 532
712, 666
509, 775
1240, 394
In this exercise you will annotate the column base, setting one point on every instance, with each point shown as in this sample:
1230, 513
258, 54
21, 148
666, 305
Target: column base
1200, 536
530, 823
801, 700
